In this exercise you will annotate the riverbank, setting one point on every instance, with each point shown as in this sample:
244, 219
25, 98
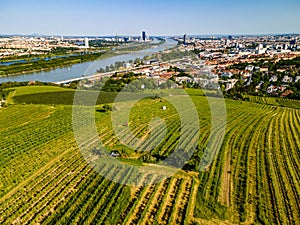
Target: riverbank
27, 67
59, 73
46, 65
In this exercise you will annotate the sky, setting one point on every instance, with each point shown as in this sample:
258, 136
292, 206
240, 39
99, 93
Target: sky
157, 17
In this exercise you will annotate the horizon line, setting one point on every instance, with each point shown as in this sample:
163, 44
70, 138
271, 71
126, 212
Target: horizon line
154, 35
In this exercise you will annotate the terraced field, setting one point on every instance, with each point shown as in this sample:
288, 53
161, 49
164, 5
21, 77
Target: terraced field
44, 179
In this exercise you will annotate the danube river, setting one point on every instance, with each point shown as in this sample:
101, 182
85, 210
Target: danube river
87, 68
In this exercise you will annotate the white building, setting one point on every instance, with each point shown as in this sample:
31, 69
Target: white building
249, 68
126, 65
86, 42
227, 74
230, 85
273, 79
287, 79
271, 89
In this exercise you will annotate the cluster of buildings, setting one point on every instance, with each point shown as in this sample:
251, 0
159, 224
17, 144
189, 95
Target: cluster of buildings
124, 39
35, 45
185, 71
275, 82
25, 45
221, 53
278, 83
225, 51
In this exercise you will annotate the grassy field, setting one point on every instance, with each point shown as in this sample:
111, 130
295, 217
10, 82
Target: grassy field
44, 179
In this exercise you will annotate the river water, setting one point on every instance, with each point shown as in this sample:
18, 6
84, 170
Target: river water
87, 68
34, 60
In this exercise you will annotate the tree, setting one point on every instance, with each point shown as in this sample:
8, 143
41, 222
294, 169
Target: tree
107, 108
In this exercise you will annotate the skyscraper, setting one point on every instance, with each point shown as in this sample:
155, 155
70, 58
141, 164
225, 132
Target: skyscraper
86, 42
144, 36
117, 38
184, 39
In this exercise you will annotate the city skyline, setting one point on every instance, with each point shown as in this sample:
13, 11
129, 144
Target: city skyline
100, 18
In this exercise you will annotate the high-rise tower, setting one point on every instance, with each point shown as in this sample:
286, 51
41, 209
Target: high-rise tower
143, 35
117, 38
184, 39
86, 42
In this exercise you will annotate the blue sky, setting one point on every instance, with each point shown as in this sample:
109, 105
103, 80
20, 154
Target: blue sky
130, 17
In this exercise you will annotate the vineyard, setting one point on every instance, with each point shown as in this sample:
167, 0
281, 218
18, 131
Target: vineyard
44, 179
290, 103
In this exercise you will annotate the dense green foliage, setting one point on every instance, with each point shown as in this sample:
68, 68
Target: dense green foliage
3, 94
170, 55
61, 51
128, 82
